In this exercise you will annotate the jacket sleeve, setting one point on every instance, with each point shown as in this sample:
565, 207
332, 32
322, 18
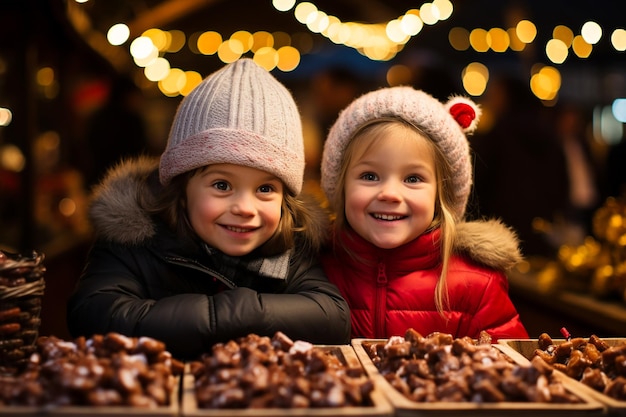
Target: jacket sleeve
119, 292
496, 313
115, 294
309, 308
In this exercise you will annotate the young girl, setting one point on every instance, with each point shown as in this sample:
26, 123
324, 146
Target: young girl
396, 170
213, 242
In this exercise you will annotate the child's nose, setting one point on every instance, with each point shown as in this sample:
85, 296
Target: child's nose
389, 191
243, 205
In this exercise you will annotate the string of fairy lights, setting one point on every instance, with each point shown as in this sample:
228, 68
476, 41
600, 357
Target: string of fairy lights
378, 41
151, 50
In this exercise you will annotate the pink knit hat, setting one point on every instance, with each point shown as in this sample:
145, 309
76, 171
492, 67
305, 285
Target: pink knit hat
240, 115
446, 124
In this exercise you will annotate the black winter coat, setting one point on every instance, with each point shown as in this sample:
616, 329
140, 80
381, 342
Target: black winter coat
141, 280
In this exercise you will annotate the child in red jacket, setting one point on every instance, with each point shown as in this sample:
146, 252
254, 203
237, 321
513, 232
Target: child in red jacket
396, 170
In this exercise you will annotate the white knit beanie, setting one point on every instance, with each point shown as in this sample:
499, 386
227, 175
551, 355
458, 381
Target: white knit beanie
446, 124
240, 115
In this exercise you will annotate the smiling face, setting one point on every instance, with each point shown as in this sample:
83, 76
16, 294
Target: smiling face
233, 208
391, 185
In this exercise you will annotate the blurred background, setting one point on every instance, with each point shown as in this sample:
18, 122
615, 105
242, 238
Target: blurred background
85, 83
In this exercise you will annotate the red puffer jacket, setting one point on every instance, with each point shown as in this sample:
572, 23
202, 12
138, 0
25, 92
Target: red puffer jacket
391, 290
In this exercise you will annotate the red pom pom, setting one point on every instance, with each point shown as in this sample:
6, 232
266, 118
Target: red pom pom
463, 113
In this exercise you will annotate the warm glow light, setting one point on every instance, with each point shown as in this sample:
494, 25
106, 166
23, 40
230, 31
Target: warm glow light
173, 83
411, 24
12, 158
304, 12
144, 61
283, 5
45, 76
498, 40
246, 39
158, 37
545, 83
209, 42
266, 57
319, 23
516, 44
618, 39
192, 79
394, 31
564, 34
591, 32
141, 47
281, 39
478, 40
118, 34
475, 77
399, 75
261, 40
526, 31
445, 8
459, 38
67, 207
288, 58
429, 13
5, 116
177, 40
157, 70
581, 48
230, 51
556, 51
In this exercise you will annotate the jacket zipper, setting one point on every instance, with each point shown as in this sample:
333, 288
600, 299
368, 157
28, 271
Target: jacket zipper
194, 265
380, 310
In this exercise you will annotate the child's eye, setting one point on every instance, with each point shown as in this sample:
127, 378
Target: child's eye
221, 185
266, 188
368, 176
413, 179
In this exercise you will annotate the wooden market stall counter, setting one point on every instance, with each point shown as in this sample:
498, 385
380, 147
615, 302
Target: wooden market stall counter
548, 310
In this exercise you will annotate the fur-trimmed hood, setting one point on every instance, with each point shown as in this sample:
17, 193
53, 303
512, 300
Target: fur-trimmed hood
114, 209
489, 242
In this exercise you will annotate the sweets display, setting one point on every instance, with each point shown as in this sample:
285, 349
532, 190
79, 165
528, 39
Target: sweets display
21, 290
592, 361
105, 370
440, 368
261, 372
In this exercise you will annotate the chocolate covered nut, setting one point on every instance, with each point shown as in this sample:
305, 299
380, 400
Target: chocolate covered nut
616, 388
150, 346
593, 362
595, 378
440, 368
598, 342
85, 372
260, 372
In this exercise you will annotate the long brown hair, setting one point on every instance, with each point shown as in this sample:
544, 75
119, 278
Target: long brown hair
444, 218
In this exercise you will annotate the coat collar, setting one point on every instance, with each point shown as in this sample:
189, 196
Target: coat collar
487, 242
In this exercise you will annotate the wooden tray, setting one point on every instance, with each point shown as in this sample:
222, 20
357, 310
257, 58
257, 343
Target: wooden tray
172, 410
523, 349
380, 405
406, 407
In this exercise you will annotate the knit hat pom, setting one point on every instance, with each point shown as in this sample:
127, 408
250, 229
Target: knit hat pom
465, 112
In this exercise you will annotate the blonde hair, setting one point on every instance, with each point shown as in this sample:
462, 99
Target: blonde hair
366, 136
